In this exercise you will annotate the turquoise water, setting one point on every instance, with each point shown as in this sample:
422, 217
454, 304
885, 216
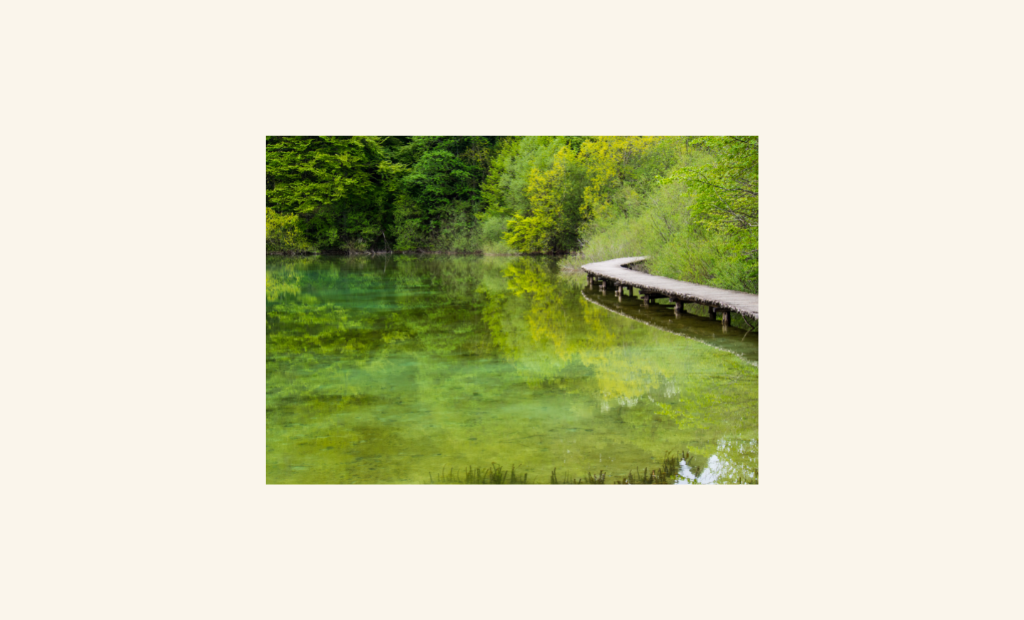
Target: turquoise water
393, 369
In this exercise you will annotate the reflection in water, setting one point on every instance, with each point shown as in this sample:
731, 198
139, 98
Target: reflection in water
710, 332
724, 467
445, 363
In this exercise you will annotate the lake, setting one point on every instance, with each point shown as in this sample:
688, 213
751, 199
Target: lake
405, 369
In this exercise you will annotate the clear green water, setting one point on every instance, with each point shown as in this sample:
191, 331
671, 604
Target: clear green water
388, 370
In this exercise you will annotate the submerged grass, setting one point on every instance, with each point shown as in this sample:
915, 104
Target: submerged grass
494, 474
666, 473
590, 478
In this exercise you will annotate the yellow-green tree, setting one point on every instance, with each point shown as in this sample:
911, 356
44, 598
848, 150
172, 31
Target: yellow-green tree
614, 163
555, 215
284, 235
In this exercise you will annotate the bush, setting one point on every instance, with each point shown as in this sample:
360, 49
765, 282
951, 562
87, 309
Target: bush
492, 232
459, 234
284, 235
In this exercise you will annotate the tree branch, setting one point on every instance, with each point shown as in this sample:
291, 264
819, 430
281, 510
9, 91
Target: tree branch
704, 180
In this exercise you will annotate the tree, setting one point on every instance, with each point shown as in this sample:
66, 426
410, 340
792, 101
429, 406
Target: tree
556, 197
284, 235
441, 188
725, 194
337, 186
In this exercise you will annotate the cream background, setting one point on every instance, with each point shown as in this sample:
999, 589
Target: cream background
133, 397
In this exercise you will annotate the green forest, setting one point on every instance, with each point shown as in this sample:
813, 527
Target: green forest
688, 203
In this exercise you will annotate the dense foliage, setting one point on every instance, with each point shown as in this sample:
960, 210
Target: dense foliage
688, 204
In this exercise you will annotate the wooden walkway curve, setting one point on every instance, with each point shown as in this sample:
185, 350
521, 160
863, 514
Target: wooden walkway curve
717, 300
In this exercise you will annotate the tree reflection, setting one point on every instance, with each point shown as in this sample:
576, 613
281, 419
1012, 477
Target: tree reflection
379, 368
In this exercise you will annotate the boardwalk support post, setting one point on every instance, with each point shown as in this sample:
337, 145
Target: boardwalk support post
725, 318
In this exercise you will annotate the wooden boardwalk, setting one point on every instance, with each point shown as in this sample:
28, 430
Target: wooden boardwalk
718, 300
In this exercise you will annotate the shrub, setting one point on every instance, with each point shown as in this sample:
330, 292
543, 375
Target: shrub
284, 235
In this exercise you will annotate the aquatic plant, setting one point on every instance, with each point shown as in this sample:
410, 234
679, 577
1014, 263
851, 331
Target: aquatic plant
666, 473
566, 479
494, 474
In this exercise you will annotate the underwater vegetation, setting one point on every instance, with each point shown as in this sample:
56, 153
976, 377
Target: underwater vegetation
494, 474
667, 473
